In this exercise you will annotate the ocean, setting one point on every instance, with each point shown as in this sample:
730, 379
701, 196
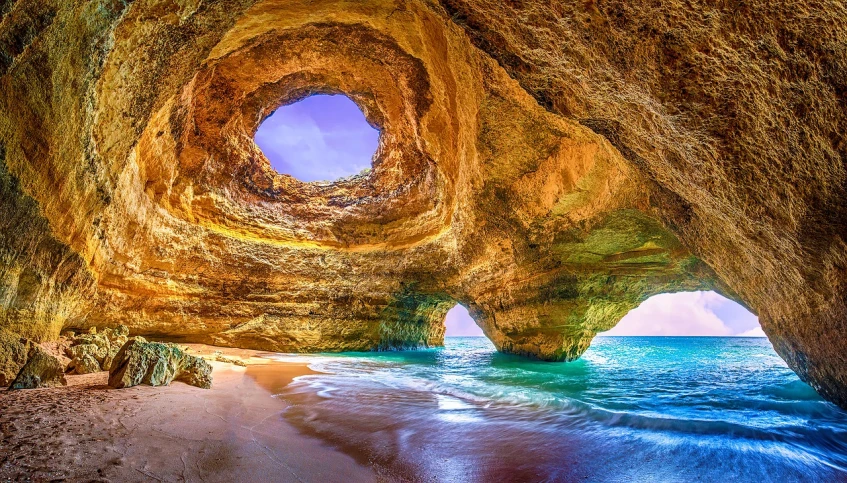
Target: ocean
631, 409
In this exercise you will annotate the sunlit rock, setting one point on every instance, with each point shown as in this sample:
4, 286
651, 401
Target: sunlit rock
84, 364
95, 351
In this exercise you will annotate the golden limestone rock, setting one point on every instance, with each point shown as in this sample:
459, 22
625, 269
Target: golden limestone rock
41, 370
549, 166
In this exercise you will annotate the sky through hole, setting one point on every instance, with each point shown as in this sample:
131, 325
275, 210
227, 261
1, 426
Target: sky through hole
320, 138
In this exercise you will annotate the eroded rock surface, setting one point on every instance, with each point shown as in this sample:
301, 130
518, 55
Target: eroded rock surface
14, 352
95, 351
549, 166
157, 364
40, 370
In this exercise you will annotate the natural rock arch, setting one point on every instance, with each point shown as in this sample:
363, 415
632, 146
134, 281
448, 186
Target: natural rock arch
548, 166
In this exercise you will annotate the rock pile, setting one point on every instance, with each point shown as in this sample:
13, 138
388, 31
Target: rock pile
218, 356
94, 352
27, 365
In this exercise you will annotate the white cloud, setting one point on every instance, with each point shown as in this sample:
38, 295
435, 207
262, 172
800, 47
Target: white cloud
686, 314
757, 332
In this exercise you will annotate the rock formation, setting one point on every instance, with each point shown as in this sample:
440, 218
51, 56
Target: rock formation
550, 166
95, 351
14, 352
40, 370
157, 364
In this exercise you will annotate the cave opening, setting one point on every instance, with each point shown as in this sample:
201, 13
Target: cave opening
323, 137
686, 314
459, 323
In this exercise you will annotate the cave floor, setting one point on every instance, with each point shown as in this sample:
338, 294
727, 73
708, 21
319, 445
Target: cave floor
87, 431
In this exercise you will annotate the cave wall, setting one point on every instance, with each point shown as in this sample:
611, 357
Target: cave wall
735, 113
44, 285
549, 166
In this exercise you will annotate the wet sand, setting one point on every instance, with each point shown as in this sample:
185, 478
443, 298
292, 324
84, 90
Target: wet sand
232, 432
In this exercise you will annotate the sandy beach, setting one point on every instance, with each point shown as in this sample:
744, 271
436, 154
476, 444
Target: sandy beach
234, 431
464, 413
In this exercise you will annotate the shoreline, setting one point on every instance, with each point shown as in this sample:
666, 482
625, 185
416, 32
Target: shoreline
395, 417
235, 431
466, 413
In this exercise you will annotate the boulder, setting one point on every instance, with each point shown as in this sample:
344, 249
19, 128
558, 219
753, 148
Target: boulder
109, 360
157, 364
119, 331
78, 351
84, 364
41, 370
229, 360
59, 349
14, 352
100, 341
117, 338
196, 371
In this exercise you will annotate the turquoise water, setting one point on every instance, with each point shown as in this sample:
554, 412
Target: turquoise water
631, 409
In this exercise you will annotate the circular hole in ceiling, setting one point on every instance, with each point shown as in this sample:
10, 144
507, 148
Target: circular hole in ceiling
319, 138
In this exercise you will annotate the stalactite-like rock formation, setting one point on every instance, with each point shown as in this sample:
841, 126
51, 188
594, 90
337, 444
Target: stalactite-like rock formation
550, 167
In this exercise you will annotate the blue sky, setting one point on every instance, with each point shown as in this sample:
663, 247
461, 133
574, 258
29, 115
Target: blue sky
678, 314
321, 138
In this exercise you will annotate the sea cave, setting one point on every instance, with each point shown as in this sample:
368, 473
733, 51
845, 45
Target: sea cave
200, 192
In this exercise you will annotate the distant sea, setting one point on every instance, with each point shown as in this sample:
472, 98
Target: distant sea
631, 409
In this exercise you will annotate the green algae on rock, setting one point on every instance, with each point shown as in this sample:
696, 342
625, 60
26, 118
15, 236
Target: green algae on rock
41, 370
157, 364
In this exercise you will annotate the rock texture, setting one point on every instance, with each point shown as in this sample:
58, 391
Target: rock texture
550, 166
41, 370
157, 364
95, 351
14, 352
